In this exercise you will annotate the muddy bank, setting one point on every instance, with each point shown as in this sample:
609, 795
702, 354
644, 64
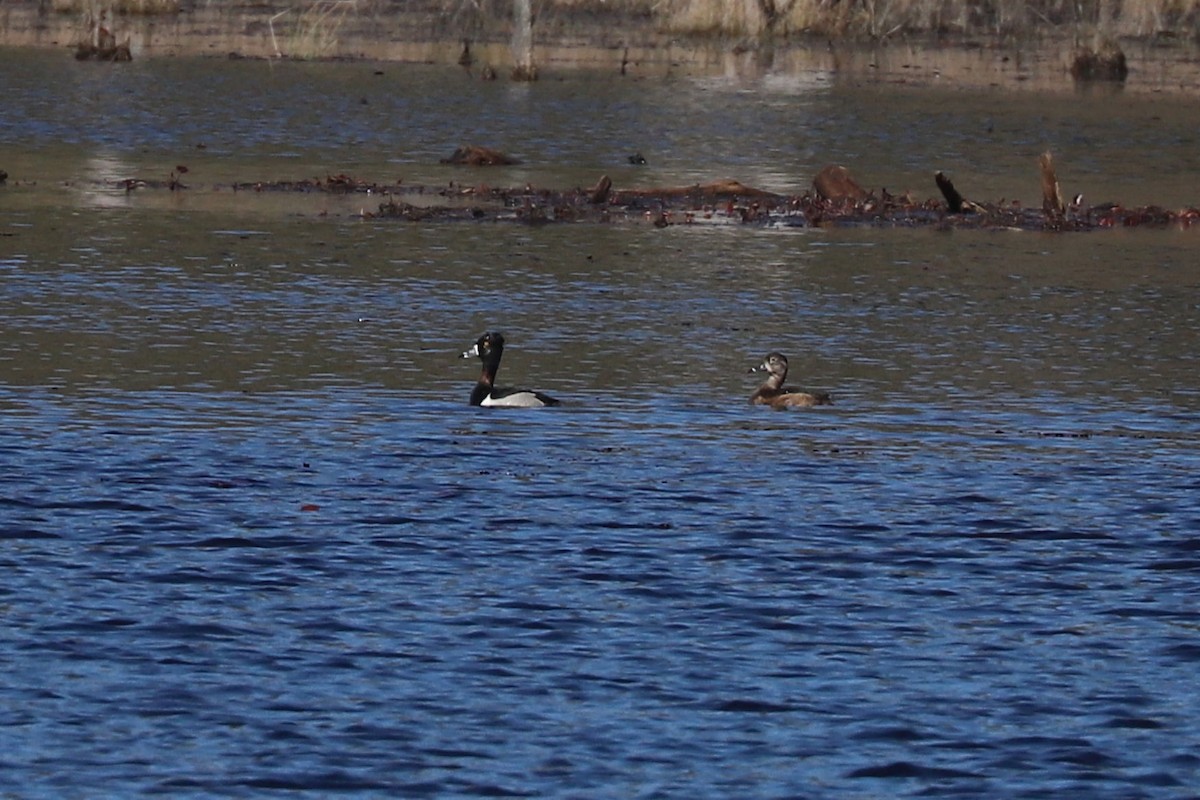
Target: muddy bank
615, 40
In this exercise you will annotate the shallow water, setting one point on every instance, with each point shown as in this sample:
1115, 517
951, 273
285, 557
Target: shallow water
255, 541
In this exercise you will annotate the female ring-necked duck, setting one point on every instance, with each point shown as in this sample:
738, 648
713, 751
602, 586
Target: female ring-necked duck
489, 348
773, 393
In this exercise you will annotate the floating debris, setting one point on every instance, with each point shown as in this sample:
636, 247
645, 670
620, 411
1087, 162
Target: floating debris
476, 156
836, 199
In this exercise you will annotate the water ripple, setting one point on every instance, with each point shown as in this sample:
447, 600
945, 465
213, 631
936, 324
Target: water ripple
254, 540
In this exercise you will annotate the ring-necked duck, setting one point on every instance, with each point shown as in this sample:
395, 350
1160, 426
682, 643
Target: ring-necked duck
489, 348
773, 393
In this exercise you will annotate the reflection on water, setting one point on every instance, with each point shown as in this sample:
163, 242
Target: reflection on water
255, 539
103, 171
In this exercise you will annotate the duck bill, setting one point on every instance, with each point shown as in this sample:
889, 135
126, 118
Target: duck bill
474, 351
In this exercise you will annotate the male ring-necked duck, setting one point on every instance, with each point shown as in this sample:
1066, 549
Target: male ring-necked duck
489, 348
774, 394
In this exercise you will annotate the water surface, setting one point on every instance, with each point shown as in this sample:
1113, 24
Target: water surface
255, 540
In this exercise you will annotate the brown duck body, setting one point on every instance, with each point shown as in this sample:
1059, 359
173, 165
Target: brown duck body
774, 394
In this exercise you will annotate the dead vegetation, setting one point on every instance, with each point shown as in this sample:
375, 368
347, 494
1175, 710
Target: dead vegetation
880, 19
835, 199
519, 21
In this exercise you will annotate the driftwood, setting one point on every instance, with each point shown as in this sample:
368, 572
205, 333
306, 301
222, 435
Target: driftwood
834, 183
331, 184
712, 192
601, 191
1052, 201
954, 201
475, 156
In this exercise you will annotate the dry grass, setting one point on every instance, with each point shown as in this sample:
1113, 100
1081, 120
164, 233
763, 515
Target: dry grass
315, 32
883, 18
315, 22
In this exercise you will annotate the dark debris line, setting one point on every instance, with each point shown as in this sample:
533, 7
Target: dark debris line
842, 204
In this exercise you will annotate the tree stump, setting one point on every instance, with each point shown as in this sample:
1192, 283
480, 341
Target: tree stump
1105, 63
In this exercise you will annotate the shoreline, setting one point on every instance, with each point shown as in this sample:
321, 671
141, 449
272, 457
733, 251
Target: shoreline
633, 49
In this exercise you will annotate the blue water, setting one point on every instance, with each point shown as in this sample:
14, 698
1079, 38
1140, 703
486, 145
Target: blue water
255, 543
359, 592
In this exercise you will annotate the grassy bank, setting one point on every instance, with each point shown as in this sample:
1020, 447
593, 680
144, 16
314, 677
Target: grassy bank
855, 19
884, 18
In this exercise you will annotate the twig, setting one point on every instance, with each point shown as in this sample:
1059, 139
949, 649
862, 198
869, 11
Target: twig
271, 26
